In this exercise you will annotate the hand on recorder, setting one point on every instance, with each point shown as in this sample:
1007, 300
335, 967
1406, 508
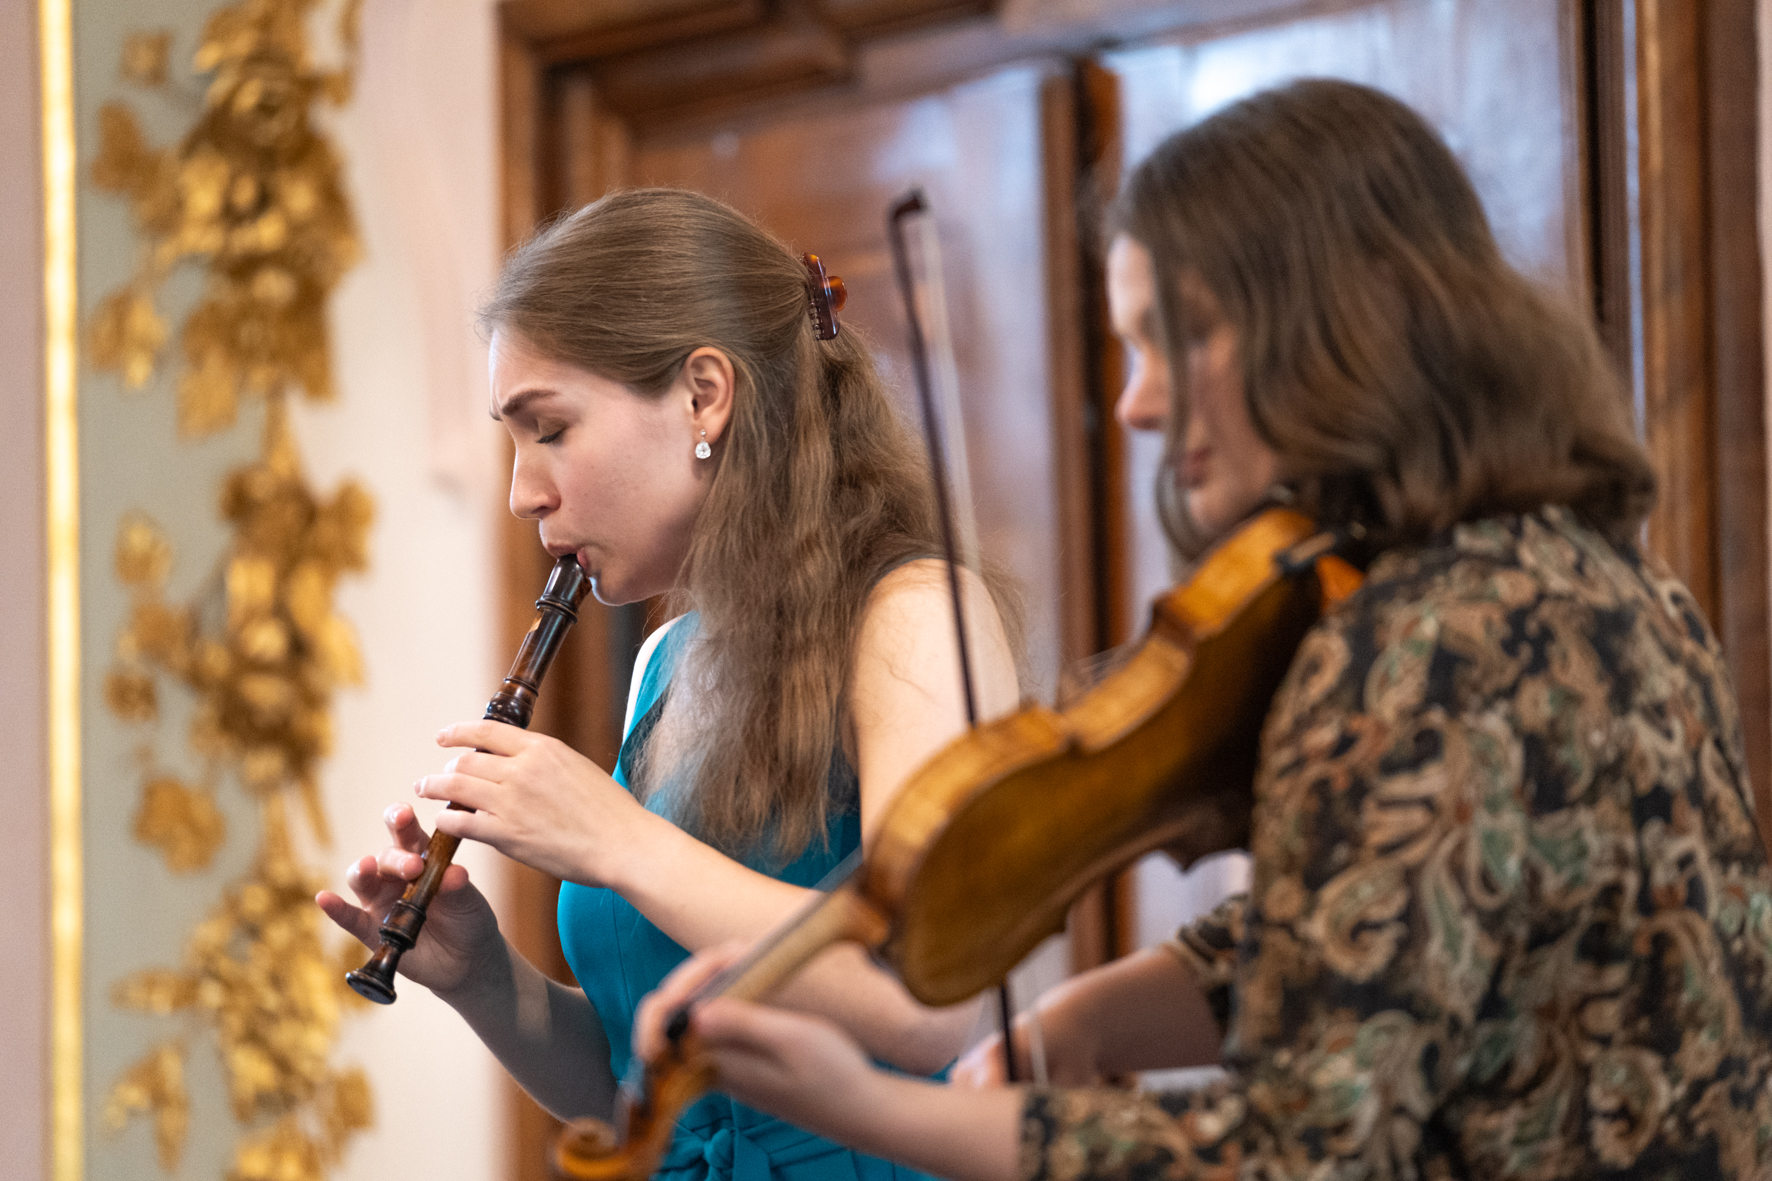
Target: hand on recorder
460, 931
538, 801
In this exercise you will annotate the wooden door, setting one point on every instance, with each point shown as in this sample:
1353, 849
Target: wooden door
980, 150
993, 151
986, 152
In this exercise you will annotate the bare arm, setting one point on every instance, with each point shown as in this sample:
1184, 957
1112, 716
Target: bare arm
546, 1034
1145, 1011
905, 703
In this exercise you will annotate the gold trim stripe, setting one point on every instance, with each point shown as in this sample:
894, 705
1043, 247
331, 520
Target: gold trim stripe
61, 313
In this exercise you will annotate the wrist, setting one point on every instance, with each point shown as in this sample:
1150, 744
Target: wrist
873, 1106
969, 1135
637, 850
489, 970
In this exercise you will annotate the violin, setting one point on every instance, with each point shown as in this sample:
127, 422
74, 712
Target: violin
982, 852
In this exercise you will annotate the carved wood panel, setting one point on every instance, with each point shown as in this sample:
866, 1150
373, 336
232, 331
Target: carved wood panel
823, 183
656, 61
994, 156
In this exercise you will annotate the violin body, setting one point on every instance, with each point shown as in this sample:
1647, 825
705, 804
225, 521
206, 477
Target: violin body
982, 852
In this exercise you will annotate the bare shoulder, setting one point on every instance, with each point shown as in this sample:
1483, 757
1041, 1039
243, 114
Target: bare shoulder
918, 594
905, 698
907, 628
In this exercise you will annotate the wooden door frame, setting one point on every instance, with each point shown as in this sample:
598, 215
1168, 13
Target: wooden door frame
1691, 334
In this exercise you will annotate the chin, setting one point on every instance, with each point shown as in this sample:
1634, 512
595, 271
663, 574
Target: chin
611, 594
614, 592
1207, 516
1215, 514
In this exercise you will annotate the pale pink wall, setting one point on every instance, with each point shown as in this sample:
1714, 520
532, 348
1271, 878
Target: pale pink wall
24, 902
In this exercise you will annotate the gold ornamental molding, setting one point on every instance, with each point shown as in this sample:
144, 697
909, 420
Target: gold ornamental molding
61, 366
251, 195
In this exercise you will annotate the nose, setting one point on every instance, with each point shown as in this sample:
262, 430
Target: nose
533, 495
1144, 403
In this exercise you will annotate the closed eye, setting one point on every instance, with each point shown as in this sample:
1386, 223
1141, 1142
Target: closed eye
551, 438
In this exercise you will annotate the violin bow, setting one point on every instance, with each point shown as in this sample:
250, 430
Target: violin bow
914, 205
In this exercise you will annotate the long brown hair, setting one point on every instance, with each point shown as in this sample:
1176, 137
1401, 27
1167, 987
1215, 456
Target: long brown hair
1405, 374
820, 488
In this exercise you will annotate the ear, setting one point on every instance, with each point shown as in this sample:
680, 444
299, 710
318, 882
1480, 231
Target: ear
708, 381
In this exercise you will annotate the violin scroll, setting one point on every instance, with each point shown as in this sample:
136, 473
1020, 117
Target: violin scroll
590, 1150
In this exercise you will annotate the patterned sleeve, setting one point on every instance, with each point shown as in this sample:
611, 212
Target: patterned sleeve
1366, 946
1207, 947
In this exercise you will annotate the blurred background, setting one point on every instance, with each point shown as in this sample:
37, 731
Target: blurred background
241, 247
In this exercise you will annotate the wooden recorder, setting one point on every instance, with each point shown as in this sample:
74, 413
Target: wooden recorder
514, 703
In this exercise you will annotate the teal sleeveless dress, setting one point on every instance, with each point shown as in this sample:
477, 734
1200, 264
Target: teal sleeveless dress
619, 957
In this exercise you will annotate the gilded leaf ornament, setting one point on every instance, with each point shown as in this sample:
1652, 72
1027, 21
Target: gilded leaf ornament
182, 821
251, 194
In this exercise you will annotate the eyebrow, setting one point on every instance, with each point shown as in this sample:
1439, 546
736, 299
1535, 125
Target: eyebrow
517, 402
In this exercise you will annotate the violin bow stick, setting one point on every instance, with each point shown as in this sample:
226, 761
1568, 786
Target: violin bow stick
947, 469
914, 206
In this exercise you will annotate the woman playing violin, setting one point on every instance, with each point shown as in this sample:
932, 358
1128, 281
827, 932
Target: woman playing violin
1510, 914
687, 426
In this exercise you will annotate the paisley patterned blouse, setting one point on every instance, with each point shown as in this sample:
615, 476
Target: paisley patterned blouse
1510, 914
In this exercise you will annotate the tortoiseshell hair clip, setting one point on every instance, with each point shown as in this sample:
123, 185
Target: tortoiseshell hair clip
828, 297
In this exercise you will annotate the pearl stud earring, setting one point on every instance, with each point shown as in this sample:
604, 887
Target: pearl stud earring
702, 450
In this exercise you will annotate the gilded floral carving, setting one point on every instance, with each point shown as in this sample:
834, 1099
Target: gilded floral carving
253, 195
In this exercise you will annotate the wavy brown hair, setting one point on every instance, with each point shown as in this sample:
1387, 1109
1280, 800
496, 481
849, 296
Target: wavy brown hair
1405, 374
820, 488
